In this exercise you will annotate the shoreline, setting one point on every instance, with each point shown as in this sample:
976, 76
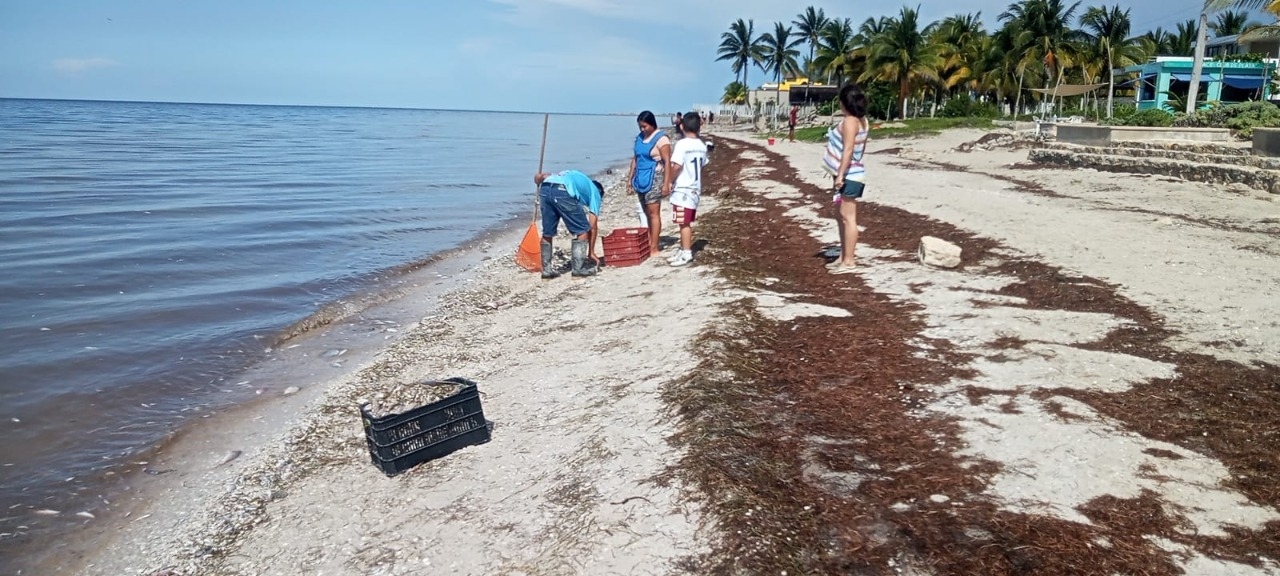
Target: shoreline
237, 501
329, 345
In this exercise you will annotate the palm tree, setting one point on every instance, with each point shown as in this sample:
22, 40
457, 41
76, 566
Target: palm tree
1184, 42
1107, 31
1048, 22
779, 56
1231, 23
742, 48
903, 54
836, 50
959, 39
999, 65
810, 25
1266, 31
734, 93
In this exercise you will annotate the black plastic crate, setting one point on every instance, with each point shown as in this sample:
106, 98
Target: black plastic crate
398, 442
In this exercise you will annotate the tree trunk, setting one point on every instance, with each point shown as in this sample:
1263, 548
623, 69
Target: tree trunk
903, 88
1017, 105
777, 99
1193, 91
1111, 80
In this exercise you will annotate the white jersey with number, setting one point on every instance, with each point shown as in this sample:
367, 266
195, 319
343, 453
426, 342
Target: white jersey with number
691, 155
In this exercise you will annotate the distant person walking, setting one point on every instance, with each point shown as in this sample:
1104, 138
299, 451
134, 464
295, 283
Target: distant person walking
569, 196
651, 155
791, 122
684, 184
846, 143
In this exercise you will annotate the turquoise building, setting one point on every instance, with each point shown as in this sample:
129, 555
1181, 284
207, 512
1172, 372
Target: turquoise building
1225, 82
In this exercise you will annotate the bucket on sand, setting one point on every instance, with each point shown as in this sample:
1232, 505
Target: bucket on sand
771, 141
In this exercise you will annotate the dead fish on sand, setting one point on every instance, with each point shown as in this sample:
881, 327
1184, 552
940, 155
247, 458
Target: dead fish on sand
232, 455
88, 515
154, 472
46, 512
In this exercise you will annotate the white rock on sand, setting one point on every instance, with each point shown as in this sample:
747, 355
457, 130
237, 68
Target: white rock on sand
938, 252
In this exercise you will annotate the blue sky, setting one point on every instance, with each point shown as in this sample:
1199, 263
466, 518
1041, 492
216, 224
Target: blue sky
527, 55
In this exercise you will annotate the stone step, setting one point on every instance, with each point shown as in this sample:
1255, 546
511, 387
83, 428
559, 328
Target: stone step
1214, 173
1204, 155
1240, 149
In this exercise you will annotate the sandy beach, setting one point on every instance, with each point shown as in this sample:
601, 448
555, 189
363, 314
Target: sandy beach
1096, 390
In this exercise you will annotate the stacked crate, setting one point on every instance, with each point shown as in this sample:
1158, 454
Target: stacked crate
626, 246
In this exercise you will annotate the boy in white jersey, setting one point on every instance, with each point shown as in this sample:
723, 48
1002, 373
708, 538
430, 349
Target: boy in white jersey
683, 182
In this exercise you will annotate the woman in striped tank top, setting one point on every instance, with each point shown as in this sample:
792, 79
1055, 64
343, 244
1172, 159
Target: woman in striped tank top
846, 143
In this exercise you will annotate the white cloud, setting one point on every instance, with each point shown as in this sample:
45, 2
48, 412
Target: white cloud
77, 65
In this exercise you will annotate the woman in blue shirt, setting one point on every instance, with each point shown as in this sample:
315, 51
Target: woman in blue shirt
650, 159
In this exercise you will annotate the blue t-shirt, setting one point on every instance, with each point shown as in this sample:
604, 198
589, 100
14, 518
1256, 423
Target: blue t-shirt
579, 186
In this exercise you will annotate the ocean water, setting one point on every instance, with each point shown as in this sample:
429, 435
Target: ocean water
149, 249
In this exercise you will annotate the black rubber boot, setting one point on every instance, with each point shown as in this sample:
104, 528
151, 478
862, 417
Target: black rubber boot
547, 272
582, 266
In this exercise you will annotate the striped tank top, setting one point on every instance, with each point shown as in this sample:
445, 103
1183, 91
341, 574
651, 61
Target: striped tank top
835, 150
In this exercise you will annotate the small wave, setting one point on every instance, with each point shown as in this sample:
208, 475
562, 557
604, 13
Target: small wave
453, 185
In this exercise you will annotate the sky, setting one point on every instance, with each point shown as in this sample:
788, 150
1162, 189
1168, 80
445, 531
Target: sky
587, 56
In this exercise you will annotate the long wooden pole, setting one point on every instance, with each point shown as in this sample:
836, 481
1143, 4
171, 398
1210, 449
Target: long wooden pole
541, 157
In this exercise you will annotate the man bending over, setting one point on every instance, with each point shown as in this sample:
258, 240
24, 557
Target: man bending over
573, 197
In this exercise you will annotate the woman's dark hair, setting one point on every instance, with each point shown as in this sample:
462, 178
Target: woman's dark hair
647, 118
600, 186
853, 100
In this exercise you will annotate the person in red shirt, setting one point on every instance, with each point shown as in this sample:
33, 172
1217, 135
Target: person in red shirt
791, 122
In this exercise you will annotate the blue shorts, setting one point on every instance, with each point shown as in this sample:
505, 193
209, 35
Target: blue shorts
556, 205
852, 189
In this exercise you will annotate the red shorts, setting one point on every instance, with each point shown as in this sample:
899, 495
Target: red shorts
682, 215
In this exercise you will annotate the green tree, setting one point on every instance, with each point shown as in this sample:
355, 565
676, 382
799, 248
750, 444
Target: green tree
1107, 34
810, 25
836, 48
1183, 43
903, 54
779, 56
734, 93
742, 48
959, 39
1231, 23
1048, 22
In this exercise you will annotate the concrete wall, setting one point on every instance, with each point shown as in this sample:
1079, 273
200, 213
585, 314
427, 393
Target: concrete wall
1145, 134
1266, 142
1093, 135
1084, 134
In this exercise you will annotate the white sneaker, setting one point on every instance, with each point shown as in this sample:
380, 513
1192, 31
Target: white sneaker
681, 259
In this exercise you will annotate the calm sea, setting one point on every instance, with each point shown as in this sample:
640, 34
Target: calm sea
146, 247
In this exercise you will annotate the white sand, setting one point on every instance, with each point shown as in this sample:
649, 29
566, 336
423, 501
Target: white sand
1194, 275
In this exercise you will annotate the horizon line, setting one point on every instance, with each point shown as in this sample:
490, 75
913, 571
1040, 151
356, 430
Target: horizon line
319, 106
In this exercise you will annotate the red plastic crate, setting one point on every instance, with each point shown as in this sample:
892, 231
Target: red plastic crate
626, 246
